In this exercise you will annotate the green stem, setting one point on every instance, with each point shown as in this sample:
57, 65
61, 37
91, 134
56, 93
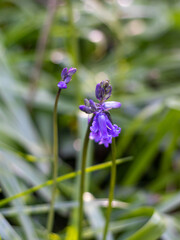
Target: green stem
55, 168
82, 180
112, 185
61, 179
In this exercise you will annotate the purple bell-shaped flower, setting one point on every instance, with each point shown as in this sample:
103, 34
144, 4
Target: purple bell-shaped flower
102, 129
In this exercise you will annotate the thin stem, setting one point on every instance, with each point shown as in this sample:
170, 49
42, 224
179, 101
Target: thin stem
61, 179
55, 168
82, 180
111, 190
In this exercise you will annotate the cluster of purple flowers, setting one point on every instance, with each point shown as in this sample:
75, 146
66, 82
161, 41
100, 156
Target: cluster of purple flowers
102, 129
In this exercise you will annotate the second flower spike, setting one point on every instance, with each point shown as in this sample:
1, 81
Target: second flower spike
102, 129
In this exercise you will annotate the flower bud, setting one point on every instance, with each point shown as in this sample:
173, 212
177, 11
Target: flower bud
63, 73
71, 71
110, 105
85, 109
99, 92
103, 90
67, 79
62, 85
93, 105
86, 102
66, 76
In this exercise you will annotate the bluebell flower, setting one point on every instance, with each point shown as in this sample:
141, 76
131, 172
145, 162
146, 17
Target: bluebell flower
102, 129
66, 76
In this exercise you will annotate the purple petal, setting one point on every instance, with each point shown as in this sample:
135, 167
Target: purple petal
108, 92
102, 129
71, 71
114, 131
92, 104
67, 79
106, 141
63, 73
95, 125
95, 136
86, 102
62, 85
111, 104
85, 109
102, 124
99, 92
109, 125
82, 108
95, 133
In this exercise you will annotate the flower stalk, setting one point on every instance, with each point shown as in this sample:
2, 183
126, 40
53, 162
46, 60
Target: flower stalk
102, 131
66, 77
55, 168
111, 190
82, 179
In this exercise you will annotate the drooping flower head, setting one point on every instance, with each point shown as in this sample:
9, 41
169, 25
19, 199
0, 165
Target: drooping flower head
66, 76
102, 129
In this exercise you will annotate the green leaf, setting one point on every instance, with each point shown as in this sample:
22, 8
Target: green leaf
153, 229
11, 186
62, 178
6, 231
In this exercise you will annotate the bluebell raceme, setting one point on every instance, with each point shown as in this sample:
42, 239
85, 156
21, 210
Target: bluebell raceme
102, 129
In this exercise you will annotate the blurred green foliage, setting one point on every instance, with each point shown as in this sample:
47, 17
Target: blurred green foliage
135, 44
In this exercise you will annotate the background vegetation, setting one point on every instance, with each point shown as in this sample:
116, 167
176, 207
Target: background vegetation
135, 44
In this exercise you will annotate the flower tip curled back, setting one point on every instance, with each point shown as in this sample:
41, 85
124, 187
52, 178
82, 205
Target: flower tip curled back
102, 130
